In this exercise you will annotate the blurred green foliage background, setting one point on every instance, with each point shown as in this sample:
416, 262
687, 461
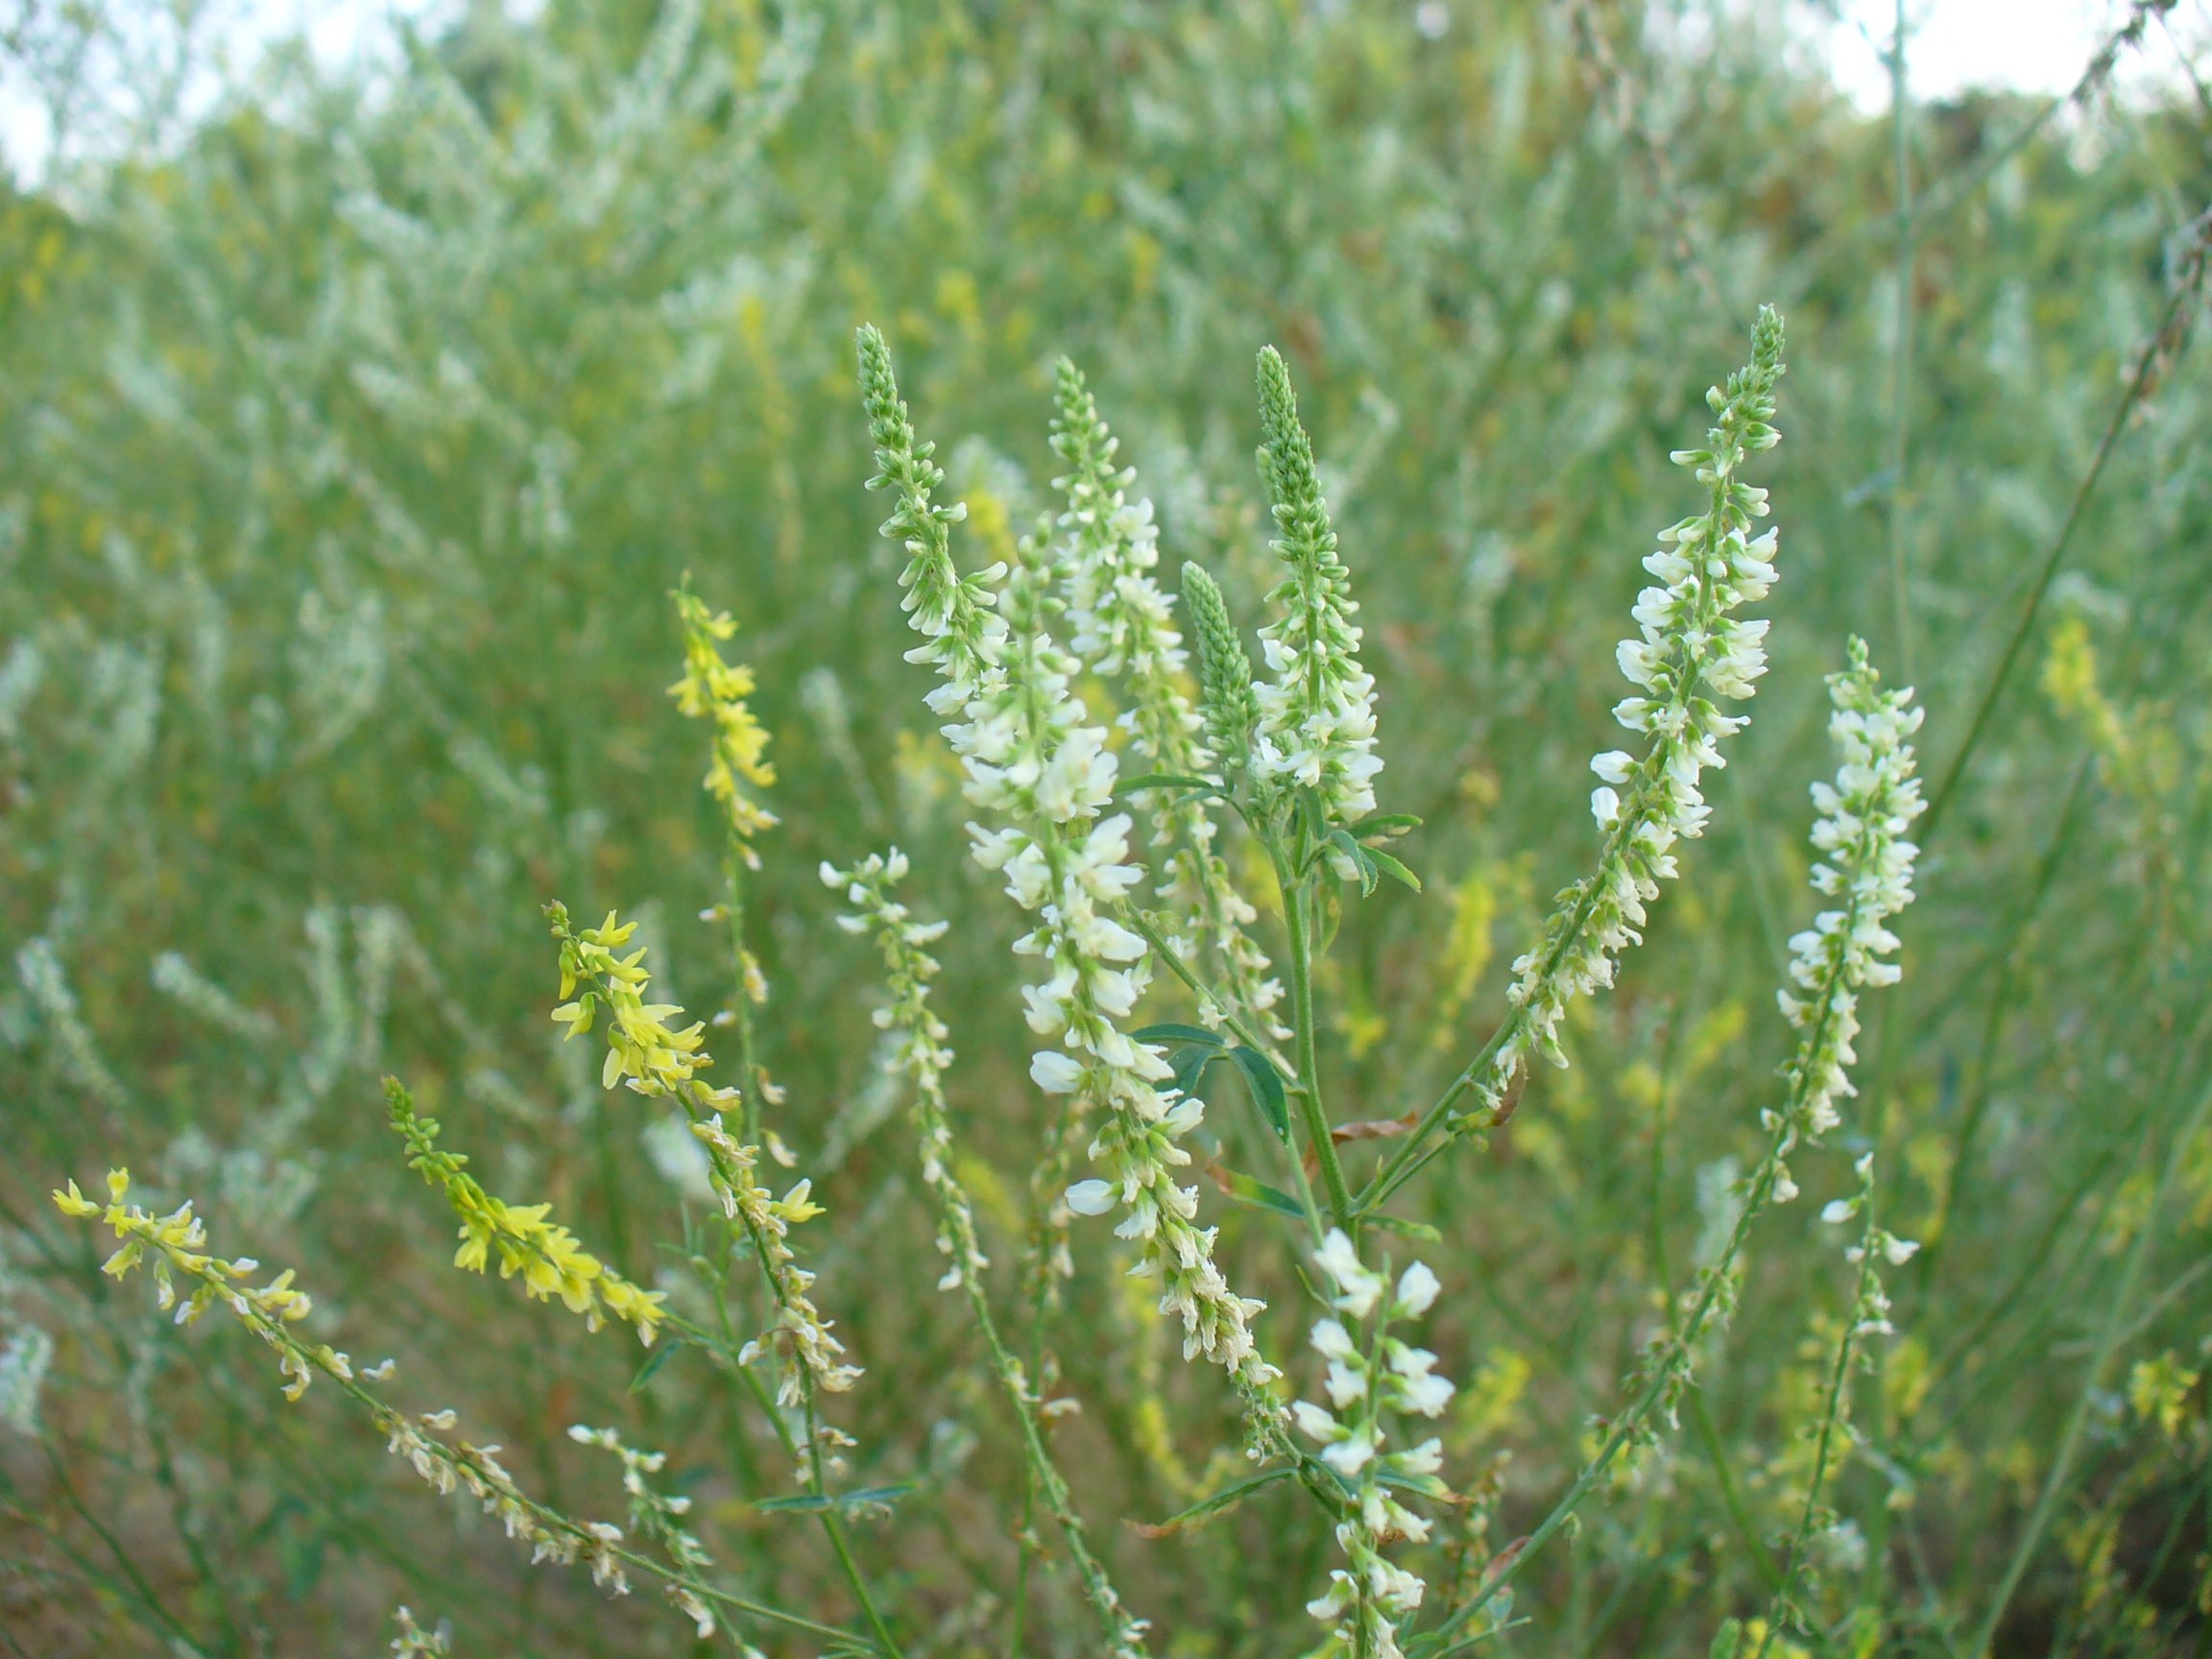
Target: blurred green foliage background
351, 443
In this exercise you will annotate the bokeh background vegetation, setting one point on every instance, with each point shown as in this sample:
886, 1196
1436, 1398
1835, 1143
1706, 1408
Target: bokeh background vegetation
352, 437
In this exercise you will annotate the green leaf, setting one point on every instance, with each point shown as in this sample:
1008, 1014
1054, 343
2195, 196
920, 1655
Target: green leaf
1393, 868
667, 1345
1390, 824
1170, 1032
815, 1502
1420, 1230
1267, 1090
799, 1503
1189, 1064
1361, 859
1427, 1485
1255, 1194
1211, 1508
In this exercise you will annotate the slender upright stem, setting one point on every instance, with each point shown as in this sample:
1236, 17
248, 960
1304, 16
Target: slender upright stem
1298, 916
741, 1003
1832, 1418
1940, 802
1900, 418
2108, 1336
810, 1453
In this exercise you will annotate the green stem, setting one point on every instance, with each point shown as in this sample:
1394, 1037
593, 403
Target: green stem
1683, 1345
1731, 1498
741, 1001
1993, 1026
1939, 802
1298, 917
833, 1525
1831, 1418
1301, 1187
107, 1539
2107, 1343
1900, 121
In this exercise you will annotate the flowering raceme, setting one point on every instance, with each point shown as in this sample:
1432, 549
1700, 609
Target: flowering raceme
1031, 756
1690, 651
546, 1254
1120, 624
175, 1244
641, 1050
924, 1054
1865, 862
1372, 1378
716, 690
1317, 714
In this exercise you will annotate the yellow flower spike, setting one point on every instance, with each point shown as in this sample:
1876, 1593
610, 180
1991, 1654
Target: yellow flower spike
173, 1245
716, 690
546, 1255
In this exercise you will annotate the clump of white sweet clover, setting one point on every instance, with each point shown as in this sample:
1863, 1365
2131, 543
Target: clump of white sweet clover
1373, 1378
1033, 758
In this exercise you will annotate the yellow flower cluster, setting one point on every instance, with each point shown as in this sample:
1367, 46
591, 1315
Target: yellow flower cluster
657, 1061
769, 1220
640, 1046
175, 1243
716, 690
545, 1253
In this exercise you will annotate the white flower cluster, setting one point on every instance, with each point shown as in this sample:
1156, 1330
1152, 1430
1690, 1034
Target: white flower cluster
1366, 1381
1317, 714
477, 1470
924, 1054
1690, 652
659, 1516
24, 1361
1864, 814
1118, 622
922, 1051
1031, 757
416, 1643
1867, 864
1870, 1313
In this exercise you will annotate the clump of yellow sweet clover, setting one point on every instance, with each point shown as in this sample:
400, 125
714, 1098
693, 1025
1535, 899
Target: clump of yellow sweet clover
654, 1060
545, 1253
175, 1243
714, 689
640, 1048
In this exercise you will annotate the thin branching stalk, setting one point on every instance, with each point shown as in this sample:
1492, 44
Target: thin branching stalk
1901, 360
1693, 653
2167, 344
193, 1280
924, 1056
2117, 1309
1861, 831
